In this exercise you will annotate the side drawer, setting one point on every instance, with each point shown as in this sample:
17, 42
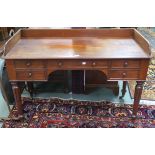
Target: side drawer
28, 64
125, 64
28, 75
124, 74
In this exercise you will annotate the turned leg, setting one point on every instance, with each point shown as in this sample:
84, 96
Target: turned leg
17, 97
123, 89
137, 96
65, 82
30, 88
115, 87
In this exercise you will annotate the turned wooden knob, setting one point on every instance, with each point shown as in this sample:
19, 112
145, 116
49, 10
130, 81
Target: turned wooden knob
29, 74
124, 74
28, 64
60, 64
94, 64
125, 64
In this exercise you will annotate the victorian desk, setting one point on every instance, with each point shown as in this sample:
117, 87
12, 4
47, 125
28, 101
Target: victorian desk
33, 54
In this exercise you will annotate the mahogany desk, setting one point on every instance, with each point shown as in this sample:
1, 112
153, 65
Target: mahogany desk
121, 54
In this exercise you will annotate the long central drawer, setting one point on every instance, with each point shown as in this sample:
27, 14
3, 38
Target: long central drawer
77, 64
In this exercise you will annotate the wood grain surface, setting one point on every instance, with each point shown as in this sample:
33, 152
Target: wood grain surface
86, 47
77, 44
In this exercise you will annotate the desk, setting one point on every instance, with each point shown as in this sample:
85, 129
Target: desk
121, 54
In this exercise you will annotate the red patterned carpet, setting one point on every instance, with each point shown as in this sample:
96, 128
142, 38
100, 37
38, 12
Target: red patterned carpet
58, 113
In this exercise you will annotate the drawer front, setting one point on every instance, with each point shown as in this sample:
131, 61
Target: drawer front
124, 74
30, 75
77, 64
125, 64
28, 64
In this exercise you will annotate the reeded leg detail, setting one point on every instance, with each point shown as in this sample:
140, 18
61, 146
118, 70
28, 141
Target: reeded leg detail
17, 96
123, 89
30, 88
137, 96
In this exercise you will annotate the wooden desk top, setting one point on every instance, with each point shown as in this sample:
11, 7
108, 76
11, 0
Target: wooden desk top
29, 45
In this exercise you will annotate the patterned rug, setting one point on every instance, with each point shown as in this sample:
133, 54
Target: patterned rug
149, 85
59, 113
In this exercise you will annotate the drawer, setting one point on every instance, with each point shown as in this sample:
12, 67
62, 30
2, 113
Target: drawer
30, 75
124, 74
29, 64
125, 64
79, 64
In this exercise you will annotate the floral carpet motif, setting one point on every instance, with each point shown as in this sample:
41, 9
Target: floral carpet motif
149, 86
59, 113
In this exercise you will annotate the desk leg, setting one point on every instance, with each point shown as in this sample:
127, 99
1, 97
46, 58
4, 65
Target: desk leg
17, 96
30, 88
123, 89
137, 96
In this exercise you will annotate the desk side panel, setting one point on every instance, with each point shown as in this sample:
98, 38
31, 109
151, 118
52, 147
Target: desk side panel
12, 41
144, 69
11, 69
142, 42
